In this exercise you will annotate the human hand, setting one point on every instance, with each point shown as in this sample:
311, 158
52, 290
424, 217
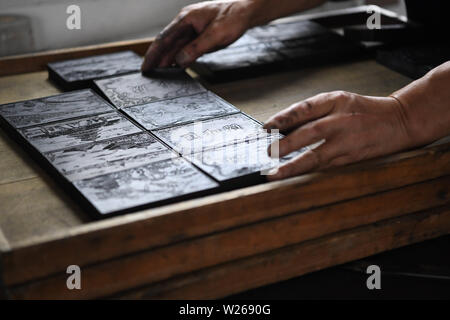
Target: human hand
198, 29
354, 127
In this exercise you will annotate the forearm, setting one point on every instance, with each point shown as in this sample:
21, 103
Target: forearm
264, 11
425, 105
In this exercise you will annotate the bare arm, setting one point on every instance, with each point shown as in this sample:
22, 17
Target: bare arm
207, 26
359, 127
427, 105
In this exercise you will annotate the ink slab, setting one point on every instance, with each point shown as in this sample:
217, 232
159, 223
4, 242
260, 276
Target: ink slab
276, 47
287, 31
137, 89
241, 57
169, 179
79, 73
316, 49
243, 163
73, 132
178, 111
195, 137
108, 156
239, 62
230, 162
54, 108
414, 61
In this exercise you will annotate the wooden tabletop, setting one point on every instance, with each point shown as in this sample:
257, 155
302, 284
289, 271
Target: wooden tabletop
33, 205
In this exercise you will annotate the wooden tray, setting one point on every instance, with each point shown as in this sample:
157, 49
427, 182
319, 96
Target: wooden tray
226, 243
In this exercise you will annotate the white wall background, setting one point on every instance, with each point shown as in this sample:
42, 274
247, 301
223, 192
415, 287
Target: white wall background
101, 20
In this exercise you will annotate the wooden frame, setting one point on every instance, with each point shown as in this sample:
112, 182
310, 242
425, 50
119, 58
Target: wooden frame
233, 241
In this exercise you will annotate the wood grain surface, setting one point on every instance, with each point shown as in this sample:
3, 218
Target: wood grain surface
283, 264
162, 263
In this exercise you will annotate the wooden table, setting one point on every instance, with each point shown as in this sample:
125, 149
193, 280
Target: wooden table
221, 244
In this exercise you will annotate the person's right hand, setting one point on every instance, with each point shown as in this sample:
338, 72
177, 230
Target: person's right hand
198, 29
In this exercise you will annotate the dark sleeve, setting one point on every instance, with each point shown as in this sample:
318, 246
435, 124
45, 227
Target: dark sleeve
431, 13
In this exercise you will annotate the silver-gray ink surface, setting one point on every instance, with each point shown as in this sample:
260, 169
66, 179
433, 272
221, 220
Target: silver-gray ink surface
143, 185
98, 66
55, 108
136, 89
179, 110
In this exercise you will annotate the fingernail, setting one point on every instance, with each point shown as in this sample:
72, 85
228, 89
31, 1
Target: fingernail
269, 126
144, 66
182, 58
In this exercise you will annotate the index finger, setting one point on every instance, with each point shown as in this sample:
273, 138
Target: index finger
301, 113
176, 35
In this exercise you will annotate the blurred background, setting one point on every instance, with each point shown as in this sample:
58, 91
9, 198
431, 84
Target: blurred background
37, 25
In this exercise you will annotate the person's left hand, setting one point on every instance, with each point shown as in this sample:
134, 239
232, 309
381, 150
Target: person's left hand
354, 127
